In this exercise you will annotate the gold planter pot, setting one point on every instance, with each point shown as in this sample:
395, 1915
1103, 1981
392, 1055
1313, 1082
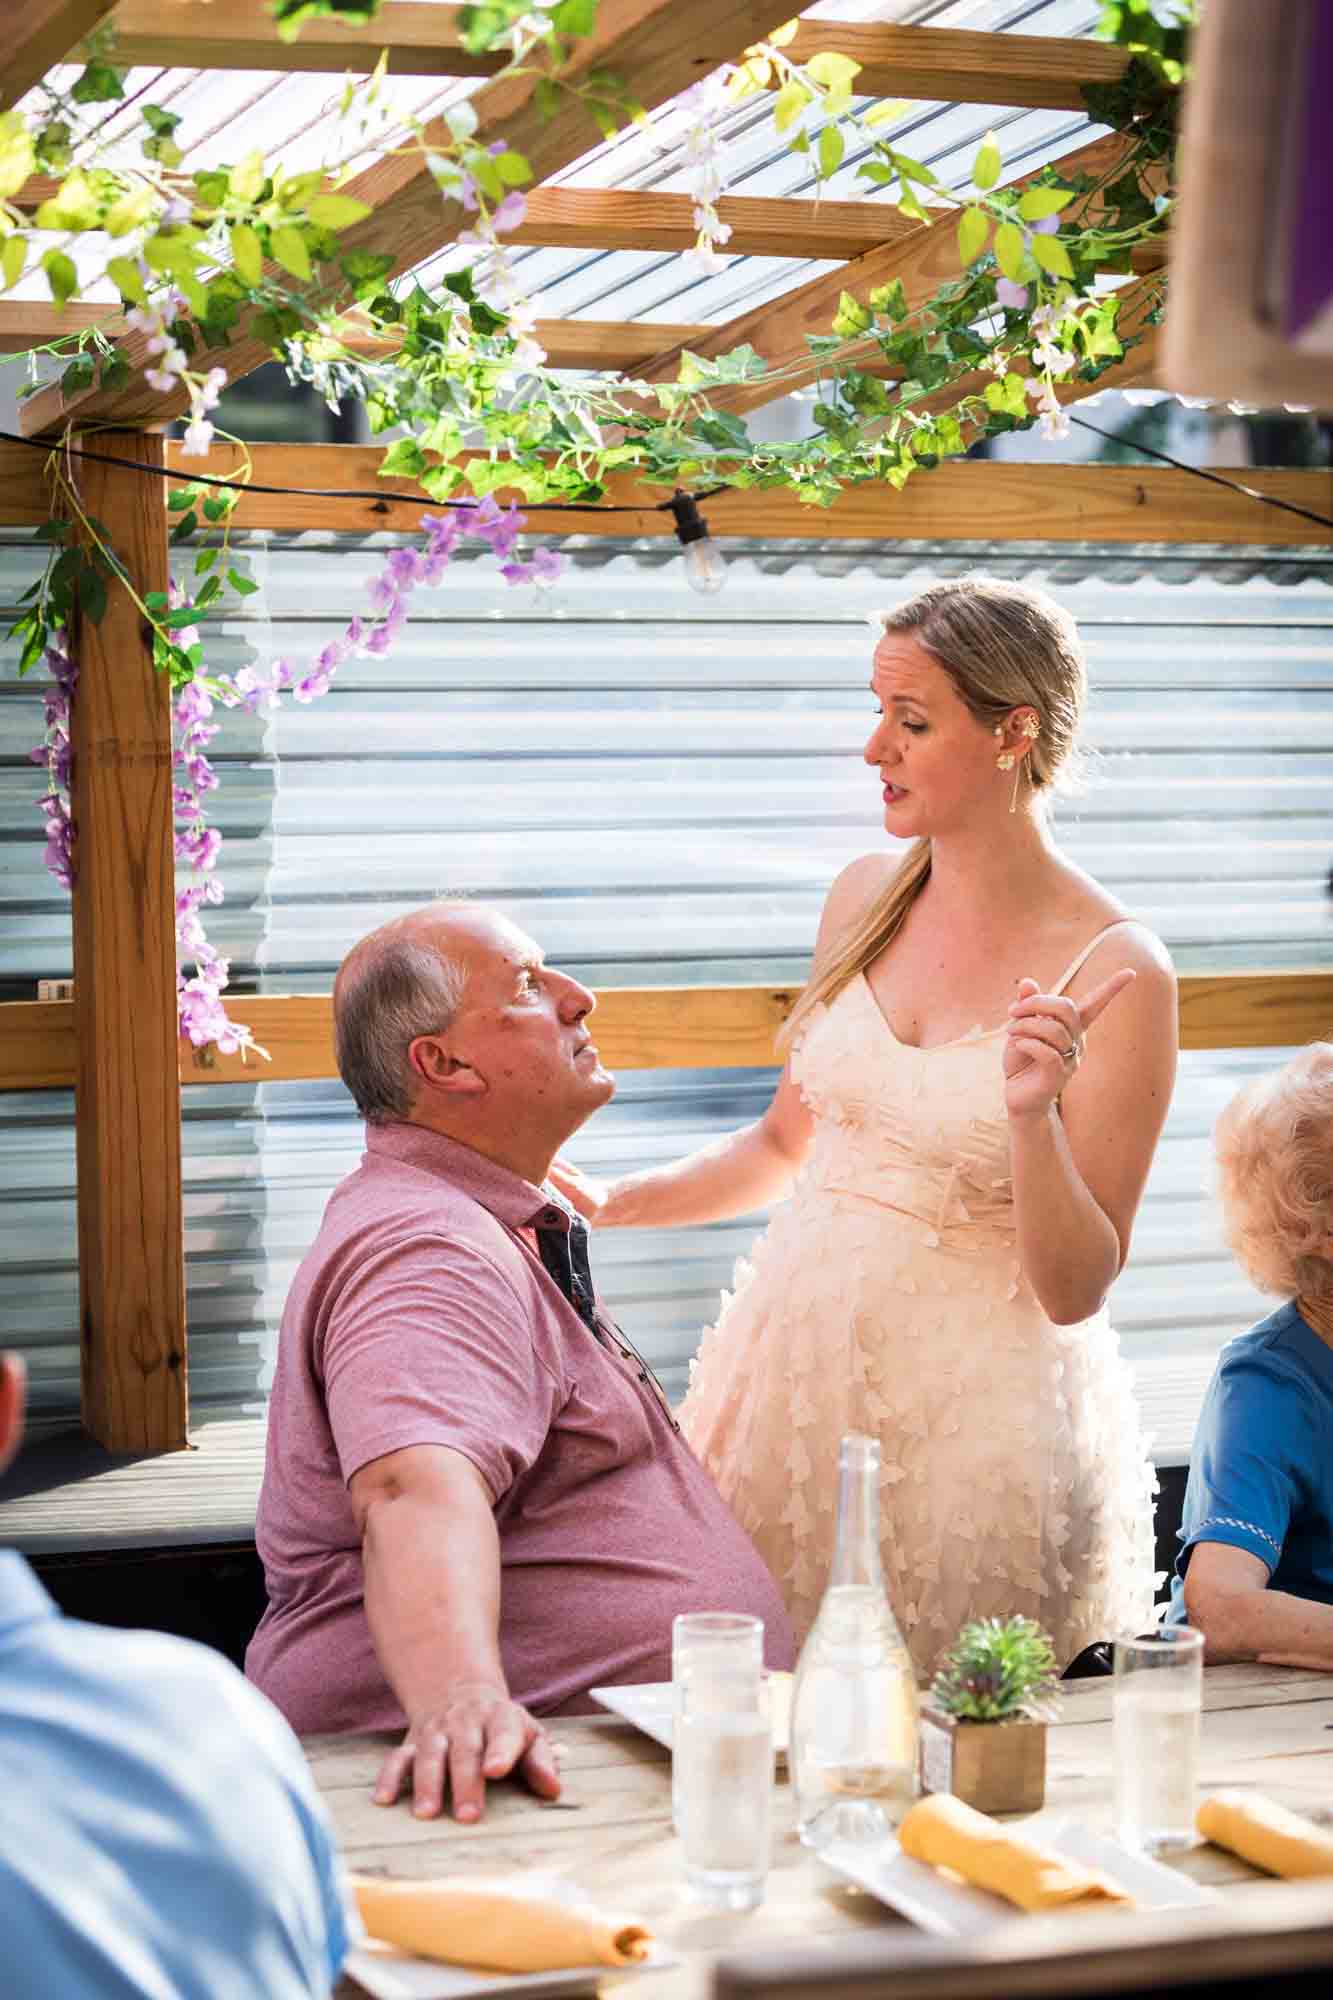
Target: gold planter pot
998, 1767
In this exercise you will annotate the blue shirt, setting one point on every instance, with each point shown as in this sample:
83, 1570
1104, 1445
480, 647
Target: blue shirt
1261, 1471
160, 1836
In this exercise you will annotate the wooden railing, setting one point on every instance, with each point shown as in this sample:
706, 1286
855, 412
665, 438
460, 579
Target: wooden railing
645, 1027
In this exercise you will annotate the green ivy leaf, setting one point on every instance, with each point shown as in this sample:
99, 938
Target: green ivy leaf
790, 104
61, 276
244, 586
79, 375
288, 247
1052, 255
831, 149
13, 257
890, 300
514, 170
99, 84
987, 164
205, 560
851, 317
973, 229
125, 276
92, 594
247, 252
832, 71
1039, 202
115, 371
1009, 251
574, 17
337, 211
403, 460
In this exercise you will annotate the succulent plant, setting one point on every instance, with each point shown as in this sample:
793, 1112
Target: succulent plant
998, 1670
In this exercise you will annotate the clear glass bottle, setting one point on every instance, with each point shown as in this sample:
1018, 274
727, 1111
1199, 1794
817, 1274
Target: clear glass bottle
854, 1726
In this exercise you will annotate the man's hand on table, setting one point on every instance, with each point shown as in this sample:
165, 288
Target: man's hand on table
474, 1734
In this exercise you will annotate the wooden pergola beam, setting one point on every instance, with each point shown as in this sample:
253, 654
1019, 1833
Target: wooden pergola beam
421, 40
623, 219
647, 1027
1044, 72
994, 500
779, 330
33, 322
958, 65
646, 44
127, 1098
38, 35
601, 344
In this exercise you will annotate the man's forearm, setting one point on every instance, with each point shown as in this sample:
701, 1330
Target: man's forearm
432, 1592
1248, 1624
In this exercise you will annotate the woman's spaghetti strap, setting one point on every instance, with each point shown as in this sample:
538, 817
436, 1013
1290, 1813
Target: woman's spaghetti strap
1087, 952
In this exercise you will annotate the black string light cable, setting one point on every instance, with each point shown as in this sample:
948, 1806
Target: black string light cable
672, 506
1202, 472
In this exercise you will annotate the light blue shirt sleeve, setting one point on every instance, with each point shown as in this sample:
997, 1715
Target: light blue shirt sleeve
1253, 1438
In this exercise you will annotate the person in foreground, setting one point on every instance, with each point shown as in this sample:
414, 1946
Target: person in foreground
1255, 1570
476, 1504
161, 1831
977, 1075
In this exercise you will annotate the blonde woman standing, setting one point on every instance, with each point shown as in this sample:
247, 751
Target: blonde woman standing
976, 1078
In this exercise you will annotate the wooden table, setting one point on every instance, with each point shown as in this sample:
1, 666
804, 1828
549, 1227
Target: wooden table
1266, 1728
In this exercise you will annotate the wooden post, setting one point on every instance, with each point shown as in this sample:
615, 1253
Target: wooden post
131, 1245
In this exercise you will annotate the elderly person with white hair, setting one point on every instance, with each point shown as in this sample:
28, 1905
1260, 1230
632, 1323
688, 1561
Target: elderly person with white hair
1255, 1570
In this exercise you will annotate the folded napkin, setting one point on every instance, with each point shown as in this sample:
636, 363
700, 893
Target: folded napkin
1265, 1833
494, 1925
942, 1830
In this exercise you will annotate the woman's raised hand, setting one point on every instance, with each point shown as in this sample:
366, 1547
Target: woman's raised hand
1044, 1043
580, 1190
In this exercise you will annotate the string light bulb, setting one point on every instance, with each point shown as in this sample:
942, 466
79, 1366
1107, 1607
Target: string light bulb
705, 564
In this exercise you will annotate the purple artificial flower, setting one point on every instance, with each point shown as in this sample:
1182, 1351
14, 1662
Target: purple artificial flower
511, 212
1015, 297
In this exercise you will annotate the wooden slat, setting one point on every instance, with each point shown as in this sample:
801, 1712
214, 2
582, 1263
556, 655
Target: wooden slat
421, 40
1255, 1010
645, 42
959, 66
648, 1027
66, 1497
1045, 72
33, 323
38, 35
569, 343
957, 502
605, 344
588, 218
779, 330
131, 1247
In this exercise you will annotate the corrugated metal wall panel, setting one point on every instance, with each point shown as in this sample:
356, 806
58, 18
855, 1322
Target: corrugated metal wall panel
661, 788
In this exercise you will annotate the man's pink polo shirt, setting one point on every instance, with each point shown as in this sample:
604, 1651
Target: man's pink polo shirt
422, 1316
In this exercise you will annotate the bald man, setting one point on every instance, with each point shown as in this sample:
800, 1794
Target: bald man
476, 1503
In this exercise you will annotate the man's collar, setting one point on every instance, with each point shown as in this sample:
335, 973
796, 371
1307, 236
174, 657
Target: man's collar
505, 1195
22, 1598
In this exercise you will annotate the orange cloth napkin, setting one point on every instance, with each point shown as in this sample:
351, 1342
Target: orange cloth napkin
942, 1830
1265, 1833
491, 1924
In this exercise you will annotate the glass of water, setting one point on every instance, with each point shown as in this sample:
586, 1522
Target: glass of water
722, 1756
1155, 1708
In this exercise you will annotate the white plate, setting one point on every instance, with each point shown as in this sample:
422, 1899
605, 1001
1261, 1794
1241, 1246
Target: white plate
648, 1707
394, 1975
954, 1909
398, 1975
